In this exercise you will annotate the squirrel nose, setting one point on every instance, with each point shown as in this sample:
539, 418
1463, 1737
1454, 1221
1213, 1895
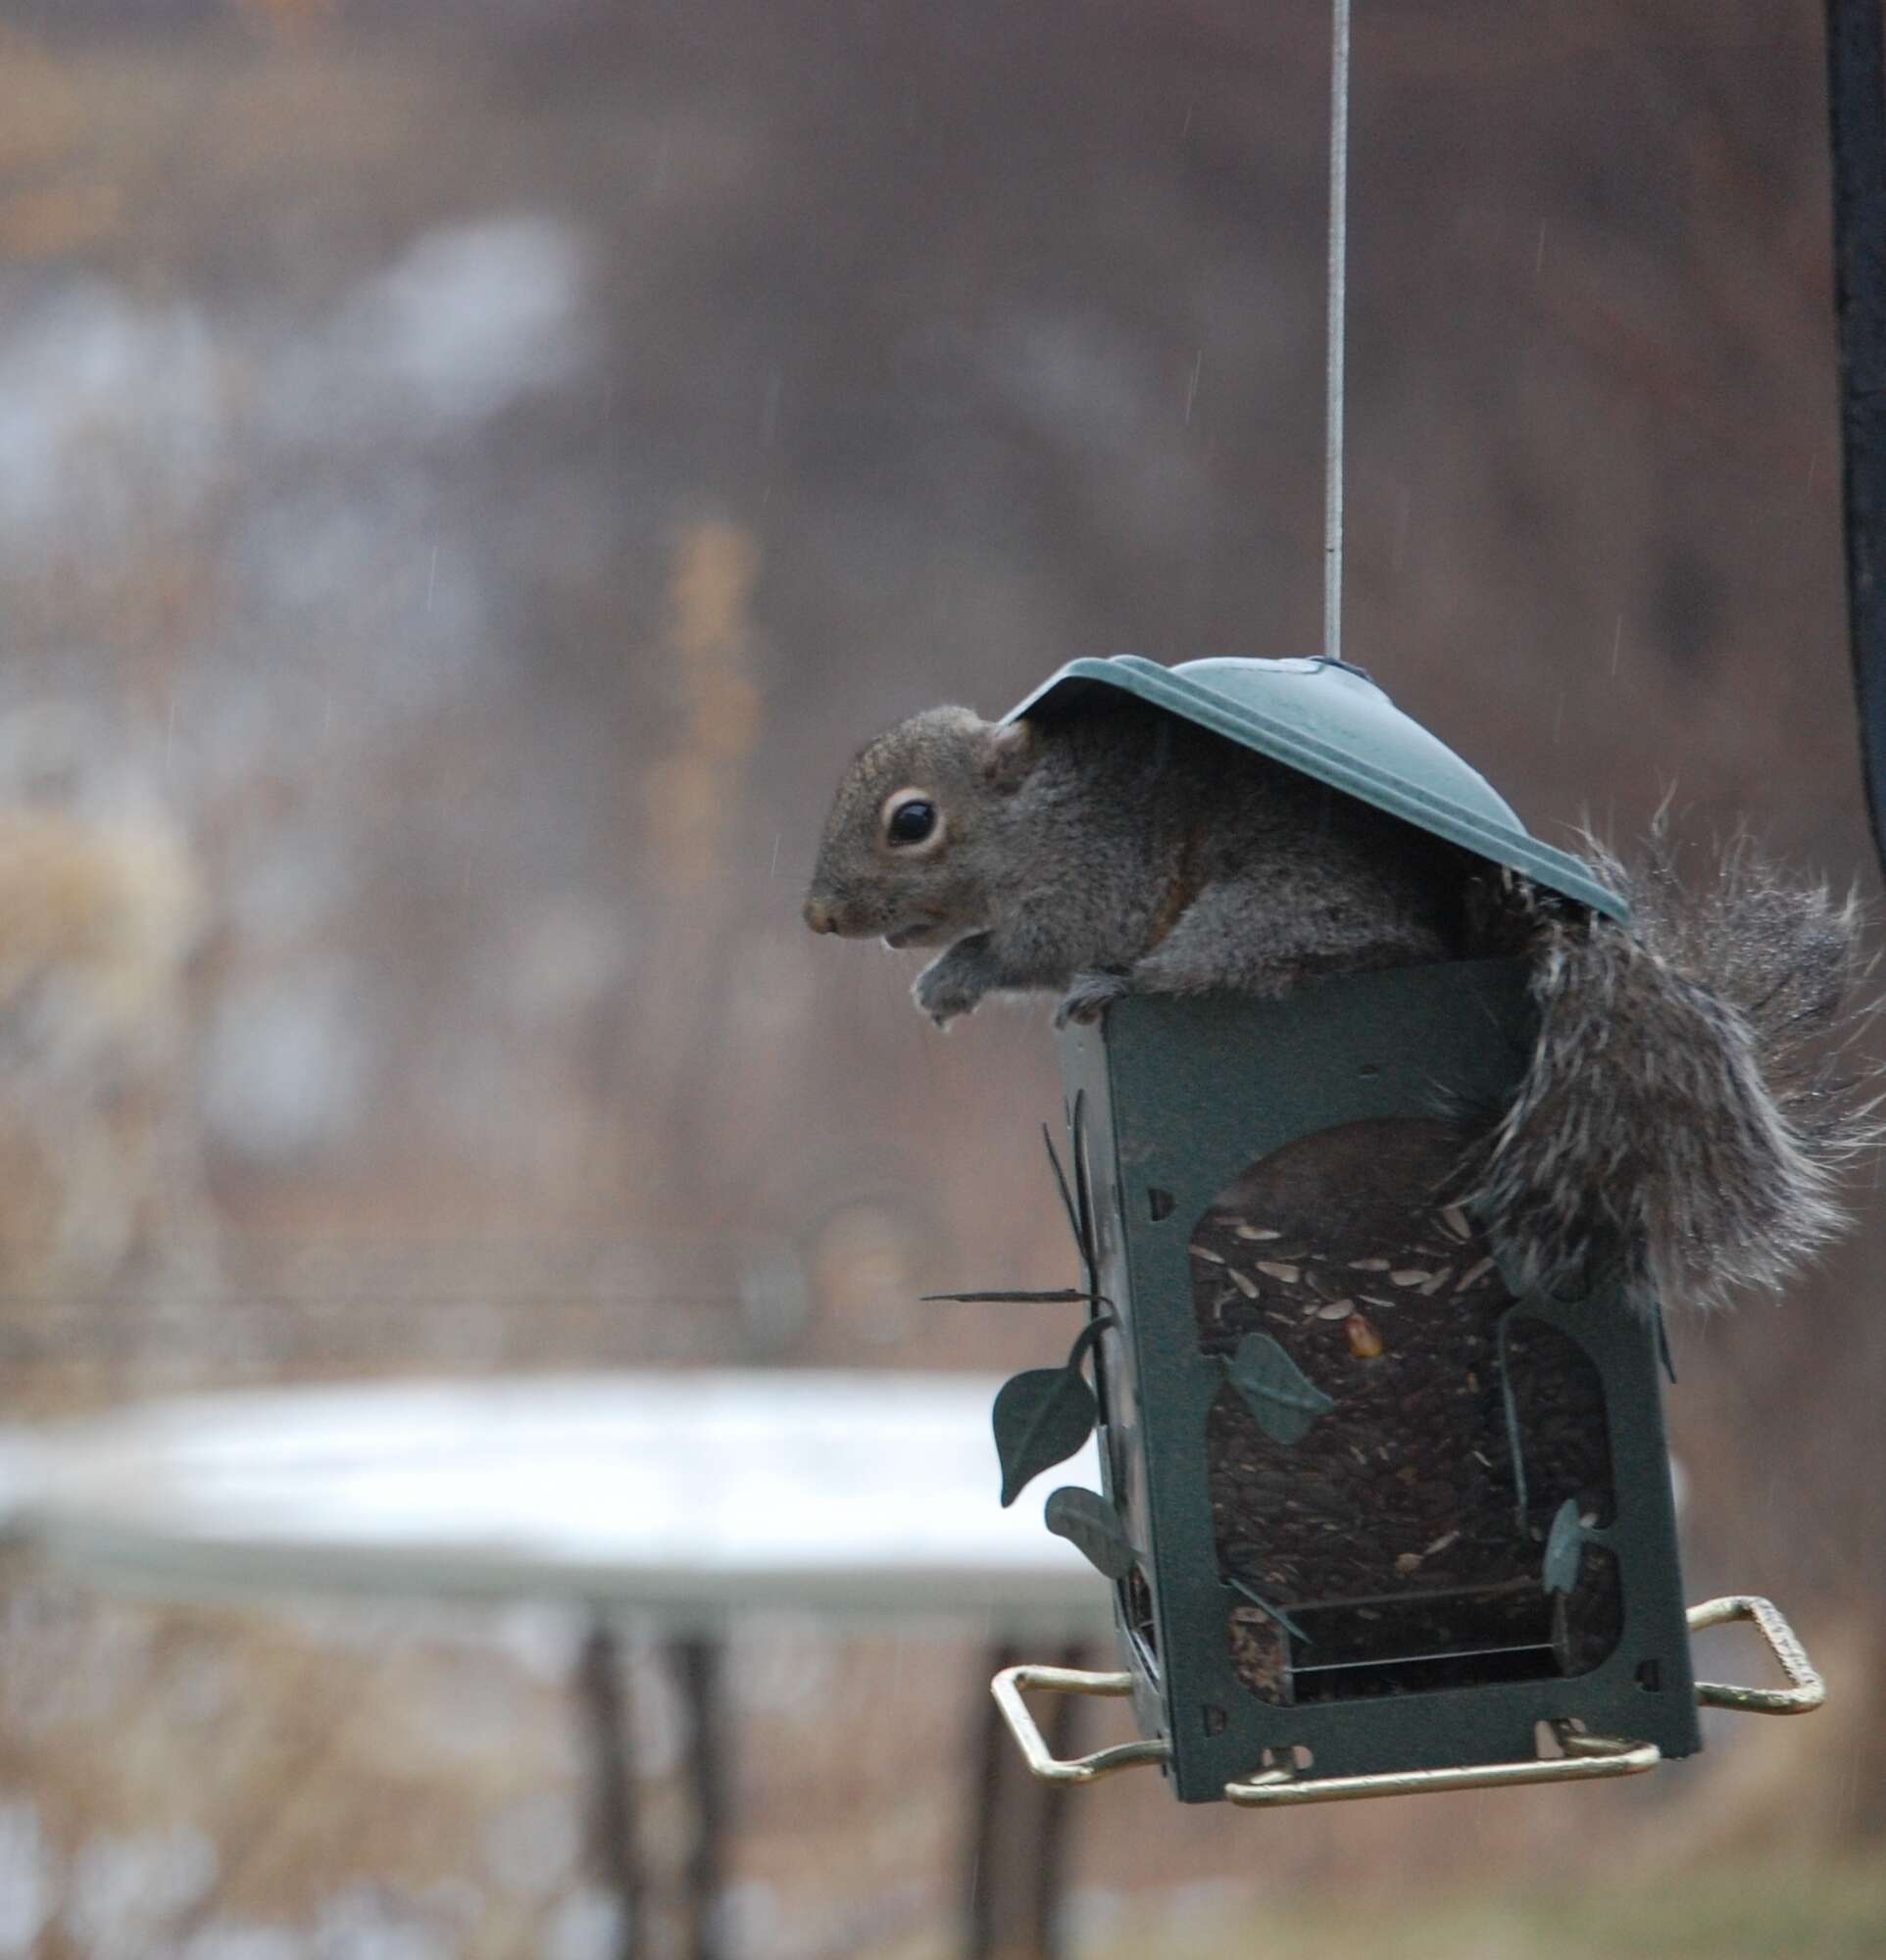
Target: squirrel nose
818, 915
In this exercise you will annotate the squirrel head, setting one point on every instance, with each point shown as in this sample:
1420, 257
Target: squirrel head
912, 834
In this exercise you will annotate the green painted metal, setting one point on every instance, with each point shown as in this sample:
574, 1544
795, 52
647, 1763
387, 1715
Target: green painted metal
1175, 1098
1332, 722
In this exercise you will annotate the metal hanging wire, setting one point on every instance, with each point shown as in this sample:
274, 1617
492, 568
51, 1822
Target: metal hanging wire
1332, 508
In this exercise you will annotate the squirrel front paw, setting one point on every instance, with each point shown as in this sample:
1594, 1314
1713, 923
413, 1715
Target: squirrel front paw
1090, 995
943, 991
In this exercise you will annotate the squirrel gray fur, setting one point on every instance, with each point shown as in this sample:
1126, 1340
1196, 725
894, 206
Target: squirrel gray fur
1683, 1116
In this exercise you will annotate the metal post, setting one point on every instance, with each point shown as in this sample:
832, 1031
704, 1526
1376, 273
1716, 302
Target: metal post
1016, 1840
1054, 1817
698, 1664
615, 1848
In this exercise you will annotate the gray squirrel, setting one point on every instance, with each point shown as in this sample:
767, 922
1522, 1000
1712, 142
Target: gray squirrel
1690, 1100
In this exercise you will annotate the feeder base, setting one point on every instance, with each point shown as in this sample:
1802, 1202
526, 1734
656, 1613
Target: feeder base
1587, 1757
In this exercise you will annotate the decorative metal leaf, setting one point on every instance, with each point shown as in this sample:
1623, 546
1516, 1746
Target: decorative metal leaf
1515, 1446
1277, 1613
1565, 1548
1085, 1195
1091, 1525
1042, 1416
1276, 1392
1076, 1197
1089, 1336
1067, 1196
1663, 1354
1058, 1297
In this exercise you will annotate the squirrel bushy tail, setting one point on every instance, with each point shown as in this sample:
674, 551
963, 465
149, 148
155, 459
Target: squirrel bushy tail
1693, 1093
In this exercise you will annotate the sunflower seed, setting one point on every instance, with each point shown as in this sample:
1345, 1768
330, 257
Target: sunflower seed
1409, 1276
1246, 1287
1455, 1219
1474, 1276
1337, 1309
1257, 1232
1282, 1274
1369, 1266
1206, 1252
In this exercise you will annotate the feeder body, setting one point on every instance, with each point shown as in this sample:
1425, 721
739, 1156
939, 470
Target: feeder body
1269, 1176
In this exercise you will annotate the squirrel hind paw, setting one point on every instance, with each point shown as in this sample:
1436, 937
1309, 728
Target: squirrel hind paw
1089, 997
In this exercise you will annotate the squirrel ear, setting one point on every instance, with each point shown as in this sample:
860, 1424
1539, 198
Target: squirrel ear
1009, 753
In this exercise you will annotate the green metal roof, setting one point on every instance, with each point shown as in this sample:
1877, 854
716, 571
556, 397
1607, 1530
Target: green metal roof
1332, 722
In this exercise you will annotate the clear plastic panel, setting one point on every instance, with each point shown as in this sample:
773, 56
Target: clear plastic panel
1386, 1549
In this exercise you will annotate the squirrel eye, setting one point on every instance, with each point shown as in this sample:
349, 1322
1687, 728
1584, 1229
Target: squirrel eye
911, 822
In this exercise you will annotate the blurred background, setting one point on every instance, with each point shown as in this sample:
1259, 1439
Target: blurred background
470, 472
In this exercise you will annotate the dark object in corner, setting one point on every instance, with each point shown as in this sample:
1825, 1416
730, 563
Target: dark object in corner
1856, 128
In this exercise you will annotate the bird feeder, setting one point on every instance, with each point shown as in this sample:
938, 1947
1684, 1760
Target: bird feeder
1376, 1519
